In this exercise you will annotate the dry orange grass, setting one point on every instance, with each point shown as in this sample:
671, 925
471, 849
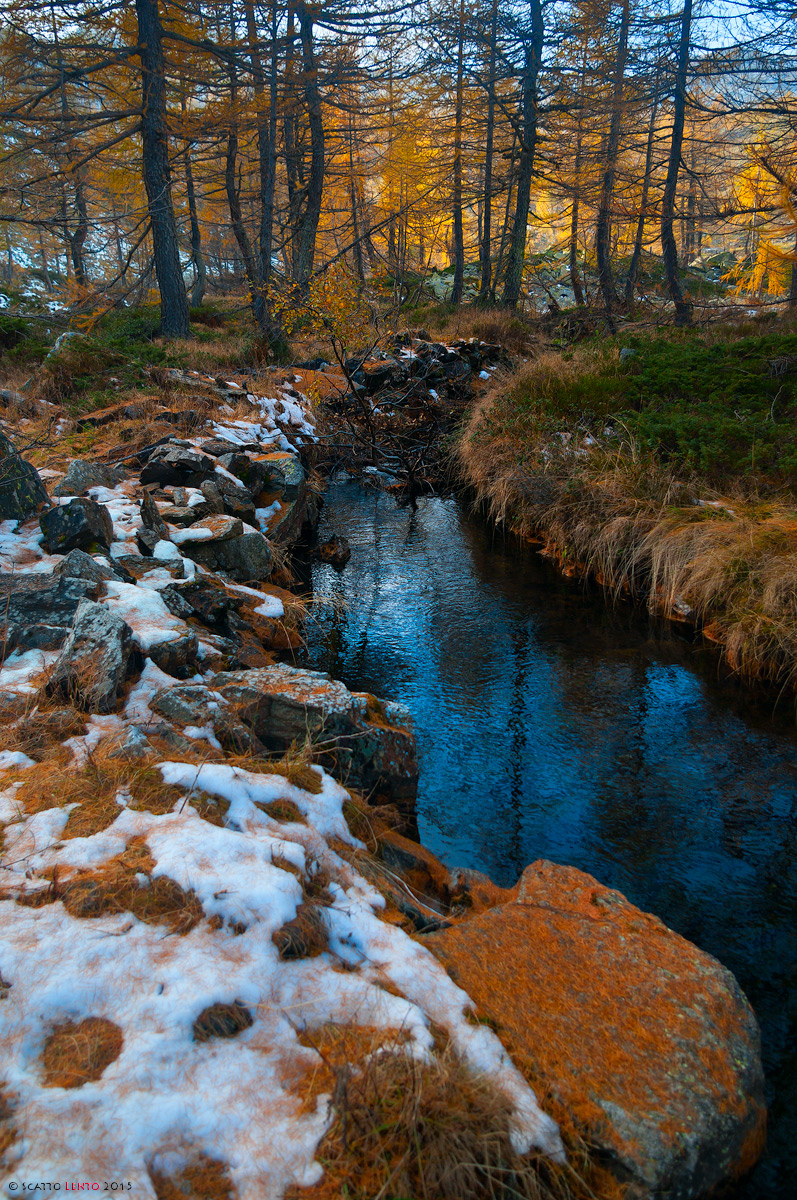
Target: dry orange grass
203, 1179
425, 1131
78, 1052
94, 788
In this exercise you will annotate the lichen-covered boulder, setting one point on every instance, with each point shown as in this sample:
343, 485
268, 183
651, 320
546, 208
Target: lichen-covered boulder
81, 524
21, 490
37, 610
83, 475
642, 1040
94, 660
368, 742
246, 558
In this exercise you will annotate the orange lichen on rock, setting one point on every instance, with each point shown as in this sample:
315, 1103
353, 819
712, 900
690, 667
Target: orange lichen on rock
640, 1039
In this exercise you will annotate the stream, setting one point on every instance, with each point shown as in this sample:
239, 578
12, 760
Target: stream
551, 724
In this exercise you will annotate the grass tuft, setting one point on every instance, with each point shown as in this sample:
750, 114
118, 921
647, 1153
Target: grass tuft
432, 1130
79, 1052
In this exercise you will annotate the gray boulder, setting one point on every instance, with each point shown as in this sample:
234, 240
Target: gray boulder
21, 490
37, 610
94, 660
246, 558
153, 527
134, 746
199, 706
371, 743
176, 657
172, 464
79, 565
84, 475
81, 524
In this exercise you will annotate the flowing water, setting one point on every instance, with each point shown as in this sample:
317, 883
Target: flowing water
553, 725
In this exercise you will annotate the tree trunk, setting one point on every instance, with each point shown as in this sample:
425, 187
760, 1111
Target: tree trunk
157, 175
636, 254
458, 237
315, 183
201, 282
485, 246
532, 53
75, 240
683, 308
604, 218
231, 182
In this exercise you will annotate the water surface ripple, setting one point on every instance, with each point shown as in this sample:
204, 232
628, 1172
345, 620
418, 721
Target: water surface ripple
552, 725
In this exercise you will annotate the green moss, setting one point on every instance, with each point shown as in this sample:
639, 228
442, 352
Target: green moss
717, 407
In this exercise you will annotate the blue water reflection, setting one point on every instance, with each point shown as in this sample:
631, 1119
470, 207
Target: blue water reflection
551, 725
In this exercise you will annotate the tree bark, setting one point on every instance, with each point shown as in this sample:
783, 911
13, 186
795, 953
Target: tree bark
458, 236
532, 54
201, 282
669, 249
175, 321
485, 246
308, 225
636, 254
604, 219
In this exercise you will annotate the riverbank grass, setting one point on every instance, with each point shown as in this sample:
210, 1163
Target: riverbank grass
665, 467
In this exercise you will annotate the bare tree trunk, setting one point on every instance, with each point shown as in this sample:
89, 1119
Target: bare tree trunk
636, 254
485, 245
604, 218
75, 240
683, 308
231, 181
315, 183
532, 53
157, 174
201, 282
458, 237
357, 249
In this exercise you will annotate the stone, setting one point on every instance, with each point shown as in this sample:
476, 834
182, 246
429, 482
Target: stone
641, 1039
218, 527
37, 610
204, 599
79, 565
336, 551
136, 566
151, 516
134, 747
81, 524
286, 473
21, 490
83, 475
197, 706
372, 744
213, 497
183, 516
254, 473
218, 446
246, 559
176, 656
95, 657
176, 465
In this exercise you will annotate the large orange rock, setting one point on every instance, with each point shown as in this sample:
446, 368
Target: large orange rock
630, 1033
